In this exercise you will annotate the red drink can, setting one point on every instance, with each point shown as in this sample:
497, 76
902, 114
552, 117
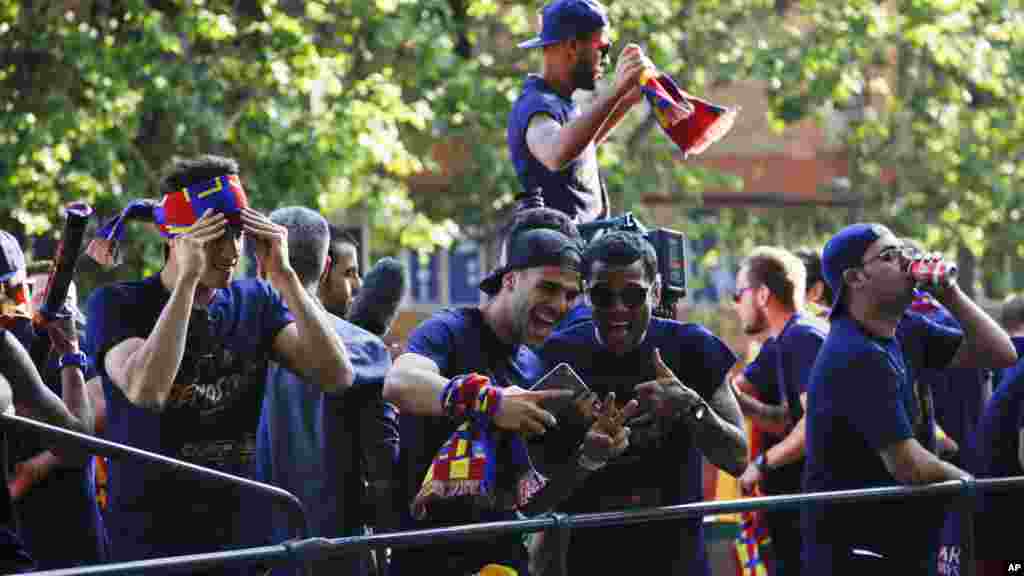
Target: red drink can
932, 272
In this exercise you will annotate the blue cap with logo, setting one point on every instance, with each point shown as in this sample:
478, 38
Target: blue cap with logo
12, 259
843, 251
567, 19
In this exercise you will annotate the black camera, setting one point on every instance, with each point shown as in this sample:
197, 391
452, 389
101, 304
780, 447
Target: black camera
669, 245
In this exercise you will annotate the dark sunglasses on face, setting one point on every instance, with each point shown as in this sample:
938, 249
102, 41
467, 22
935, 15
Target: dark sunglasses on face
601, 296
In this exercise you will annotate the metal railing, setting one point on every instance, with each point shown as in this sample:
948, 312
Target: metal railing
558, 526
61, 436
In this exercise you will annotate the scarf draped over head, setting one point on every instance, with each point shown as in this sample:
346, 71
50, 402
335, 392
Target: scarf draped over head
174, 214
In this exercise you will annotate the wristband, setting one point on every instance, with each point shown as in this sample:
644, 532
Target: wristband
73, 359
470, 395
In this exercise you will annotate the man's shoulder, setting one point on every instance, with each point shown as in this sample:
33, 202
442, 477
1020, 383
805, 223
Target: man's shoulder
350, 333
665, 332
448, 323
578, 333
455, 318
847, 353
803, 331
535, 96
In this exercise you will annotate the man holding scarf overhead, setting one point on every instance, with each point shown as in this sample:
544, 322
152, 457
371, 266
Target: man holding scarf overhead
552, 141
183, 357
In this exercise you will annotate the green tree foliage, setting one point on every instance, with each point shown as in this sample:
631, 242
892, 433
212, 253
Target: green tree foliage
933, 92
401, 106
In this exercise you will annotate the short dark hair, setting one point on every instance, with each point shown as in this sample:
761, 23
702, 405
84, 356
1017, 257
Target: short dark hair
1012, 314
532, 218
783, 273
812, 262
185, 172
621, 248
339, 234
308, 238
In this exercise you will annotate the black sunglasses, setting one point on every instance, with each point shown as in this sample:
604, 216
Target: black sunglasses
601, 296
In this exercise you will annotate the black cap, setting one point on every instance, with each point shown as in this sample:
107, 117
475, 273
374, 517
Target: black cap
532, 248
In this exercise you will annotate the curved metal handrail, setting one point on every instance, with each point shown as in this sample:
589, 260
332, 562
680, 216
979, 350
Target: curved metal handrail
317, 548
296, 511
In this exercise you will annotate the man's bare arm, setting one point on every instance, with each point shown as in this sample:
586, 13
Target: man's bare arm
911, 464
622, 107
414, 383
791, 448
144, 370
986, 344
28, 389
770, 417
719, 434
555, 145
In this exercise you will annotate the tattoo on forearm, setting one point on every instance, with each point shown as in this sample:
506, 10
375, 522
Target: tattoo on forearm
770, 413
720, 435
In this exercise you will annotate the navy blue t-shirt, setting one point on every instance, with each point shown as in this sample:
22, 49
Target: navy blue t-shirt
994, 451
576, 189
788, 361
210, 418
308, 444
459, 341
662, 466
762, 374
861, 400
996, 454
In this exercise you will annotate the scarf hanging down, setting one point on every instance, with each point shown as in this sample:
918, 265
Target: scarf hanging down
467, 465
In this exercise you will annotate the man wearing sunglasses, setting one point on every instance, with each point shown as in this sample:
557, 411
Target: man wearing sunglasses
552, 141
769, 295
864, 426
677, 373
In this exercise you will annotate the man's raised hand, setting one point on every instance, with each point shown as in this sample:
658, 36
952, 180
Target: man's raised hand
608, 436
190, 254
270, 241
520, 410
666, 395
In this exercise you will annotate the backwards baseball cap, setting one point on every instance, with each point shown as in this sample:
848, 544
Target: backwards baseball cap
567, 19
843, 251
12, 259
174, 214
532, 248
